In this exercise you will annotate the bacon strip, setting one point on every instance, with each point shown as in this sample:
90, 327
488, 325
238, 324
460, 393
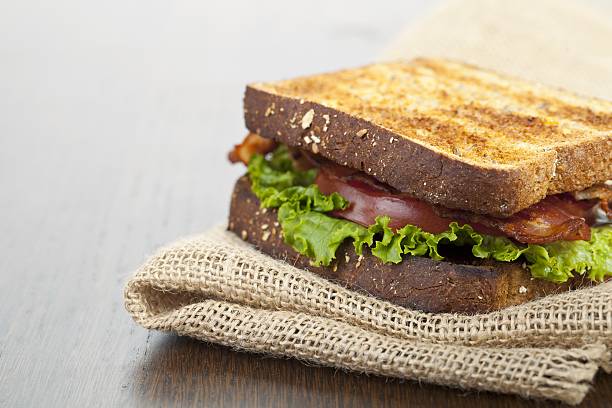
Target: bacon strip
252, 144
602, 192
557, 217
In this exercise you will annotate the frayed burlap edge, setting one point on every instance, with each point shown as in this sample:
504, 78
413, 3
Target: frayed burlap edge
216, 288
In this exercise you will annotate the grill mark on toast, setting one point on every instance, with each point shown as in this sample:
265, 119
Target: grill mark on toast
602, 120
467, 140
445, 92
551, 105
509, 124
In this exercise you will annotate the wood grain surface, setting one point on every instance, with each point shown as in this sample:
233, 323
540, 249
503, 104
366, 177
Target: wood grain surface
115, 119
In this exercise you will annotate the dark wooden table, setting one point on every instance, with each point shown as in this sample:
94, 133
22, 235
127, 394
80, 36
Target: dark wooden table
115, 118
177, 369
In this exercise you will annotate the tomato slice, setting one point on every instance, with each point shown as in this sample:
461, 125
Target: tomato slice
555, 218
369, 199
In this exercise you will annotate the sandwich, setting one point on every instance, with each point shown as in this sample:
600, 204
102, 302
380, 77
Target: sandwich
431, 184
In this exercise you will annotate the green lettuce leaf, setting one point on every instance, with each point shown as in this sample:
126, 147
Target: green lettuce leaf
559, 261
275, 182
306, 228
317, 235
389, 245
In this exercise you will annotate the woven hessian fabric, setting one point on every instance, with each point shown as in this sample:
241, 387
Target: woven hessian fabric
216, 288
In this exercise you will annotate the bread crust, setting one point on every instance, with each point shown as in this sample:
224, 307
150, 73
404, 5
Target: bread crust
417, 282
383, 141
434, 177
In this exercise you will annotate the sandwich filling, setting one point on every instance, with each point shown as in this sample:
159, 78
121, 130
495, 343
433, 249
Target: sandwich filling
321, 205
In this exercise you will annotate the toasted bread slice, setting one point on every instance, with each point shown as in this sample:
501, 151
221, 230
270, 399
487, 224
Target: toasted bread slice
446, 132
418, 283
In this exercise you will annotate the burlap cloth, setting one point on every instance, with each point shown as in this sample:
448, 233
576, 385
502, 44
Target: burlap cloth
215, 287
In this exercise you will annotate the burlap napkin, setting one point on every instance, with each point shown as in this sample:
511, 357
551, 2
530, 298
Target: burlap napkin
216, 288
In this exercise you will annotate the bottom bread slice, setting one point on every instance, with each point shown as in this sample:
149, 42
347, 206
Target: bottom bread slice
475, 286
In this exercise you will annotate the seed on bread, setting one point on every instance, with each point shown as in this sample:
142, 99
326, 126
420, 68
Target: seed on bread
358, 264
307, 119
326, 117
270, 110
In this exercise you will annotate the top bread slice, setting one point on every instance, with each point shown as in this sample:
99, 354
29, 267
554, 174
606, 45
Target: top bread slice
446, 132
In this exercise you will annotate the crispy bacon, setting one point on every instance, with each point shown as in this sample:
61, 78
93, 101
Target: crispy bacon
602, 192
557, 217
252, 143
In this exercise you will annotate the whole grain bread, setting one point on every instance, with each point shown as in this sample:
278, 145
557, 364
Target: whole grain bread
446, 132
416, 282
